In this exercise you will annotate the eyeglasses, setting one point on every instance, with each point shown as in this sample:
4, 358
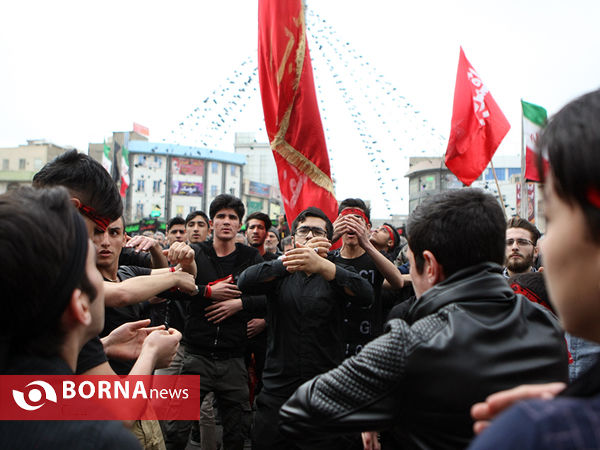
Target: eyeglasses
520, 242
316, 231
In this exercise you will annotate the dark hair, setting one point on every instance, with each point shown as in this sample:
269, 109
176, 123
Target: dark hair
286, 241
396, 237
313, 211
43, 248
517, 222
572, 142
355, 203
193, 214
262, 217
177, 220
460, 227
225, 201
86, 179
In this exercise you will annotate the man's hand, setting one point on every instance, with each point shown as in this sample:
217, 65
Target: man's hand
225, 290
180, 253
142, 243
484, 412
358, 227
162, 346
370, 440
322, 244
185, 282
306, 259
340, 226
221, 310
255, 327
125, 342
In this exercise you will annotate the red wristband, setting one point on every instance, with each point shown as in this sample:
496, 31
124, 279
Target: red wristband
171, 269
207, 291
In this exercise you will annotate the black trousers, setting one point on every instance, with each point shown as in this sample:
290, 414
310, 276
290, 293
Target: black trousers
228, 380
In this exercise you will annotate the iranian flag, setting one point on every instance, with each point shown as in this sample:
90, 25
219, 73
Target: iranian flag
124, 171
106, 162
534, 119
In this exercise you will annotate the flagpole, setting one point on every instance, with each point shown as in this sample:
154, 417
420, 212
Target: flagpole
524, 197
498, 187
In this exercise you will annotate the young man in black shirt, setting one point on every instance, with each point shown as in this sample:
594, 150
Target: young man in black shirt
215, 329
306, 295
54, 297
353, 224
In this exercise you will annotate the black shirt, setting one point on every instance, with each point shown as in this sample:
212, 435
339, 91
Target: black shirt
305, 318
362, 324
115, 317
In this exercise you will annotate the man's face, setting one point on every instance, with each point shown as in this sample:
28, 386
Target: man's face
271, 242
225, 224
197, 230
311, 227
176, 234
520, 250
350, 238
109, 244
96, 304
256, 233
380, 238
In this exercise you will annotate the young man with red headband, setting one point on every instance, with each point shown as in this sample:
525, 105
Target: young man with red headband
95, 195
386, 239
353, 225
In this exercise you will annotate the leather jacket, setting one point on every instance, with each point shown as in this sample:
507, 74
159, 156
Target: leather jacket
464, 339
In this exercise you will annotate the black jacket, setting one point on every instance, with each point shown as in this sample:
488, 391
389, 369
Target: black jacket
464, 339
305, 316
228, 337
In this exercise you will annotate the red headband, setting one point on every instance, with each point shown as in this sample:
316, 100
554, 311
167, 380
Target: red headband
356, 211
390, 232
101, 222
593, 196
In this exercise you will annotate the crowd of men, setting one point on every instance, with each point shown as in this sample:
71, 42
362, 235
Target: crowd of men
314, 338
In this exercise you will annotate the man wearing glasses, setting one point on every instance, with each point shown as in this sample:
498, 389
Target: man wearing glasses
521, 246
306, 295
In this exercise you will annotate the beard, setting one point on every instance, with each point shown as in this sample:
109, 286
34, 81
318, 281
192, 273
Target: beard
520, 265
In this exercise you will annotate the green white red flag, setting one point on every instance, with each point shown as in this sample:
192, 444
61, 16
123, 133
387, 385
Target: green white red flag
534, 119
106, 162
478, 125
125, 179
290, 108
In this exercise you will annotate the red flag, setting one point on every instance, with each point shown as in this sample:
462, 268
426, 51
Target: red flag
478, 125
290, 107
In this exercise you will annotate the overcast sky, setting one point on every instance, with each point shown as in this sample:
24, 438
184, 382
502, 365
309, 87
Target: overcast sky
72, 72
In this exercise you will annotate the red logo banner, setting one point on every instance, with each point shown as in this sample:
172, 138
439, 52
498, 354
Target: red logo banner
75, 397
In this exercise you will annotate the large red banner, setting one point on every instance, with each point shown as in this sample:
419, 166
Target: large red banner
290, 107
478, 125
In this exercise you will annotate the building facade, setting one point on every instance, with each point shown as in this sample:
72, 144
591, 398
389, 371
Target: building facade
429, 175
19, 164
261, 184
168, 180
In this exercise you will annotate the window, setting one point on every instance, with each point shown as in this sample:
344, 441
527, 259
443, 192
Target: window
22, 164
233, 170
213, 191
139, 210
5, 164
140, 185
156, 185
214, 167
